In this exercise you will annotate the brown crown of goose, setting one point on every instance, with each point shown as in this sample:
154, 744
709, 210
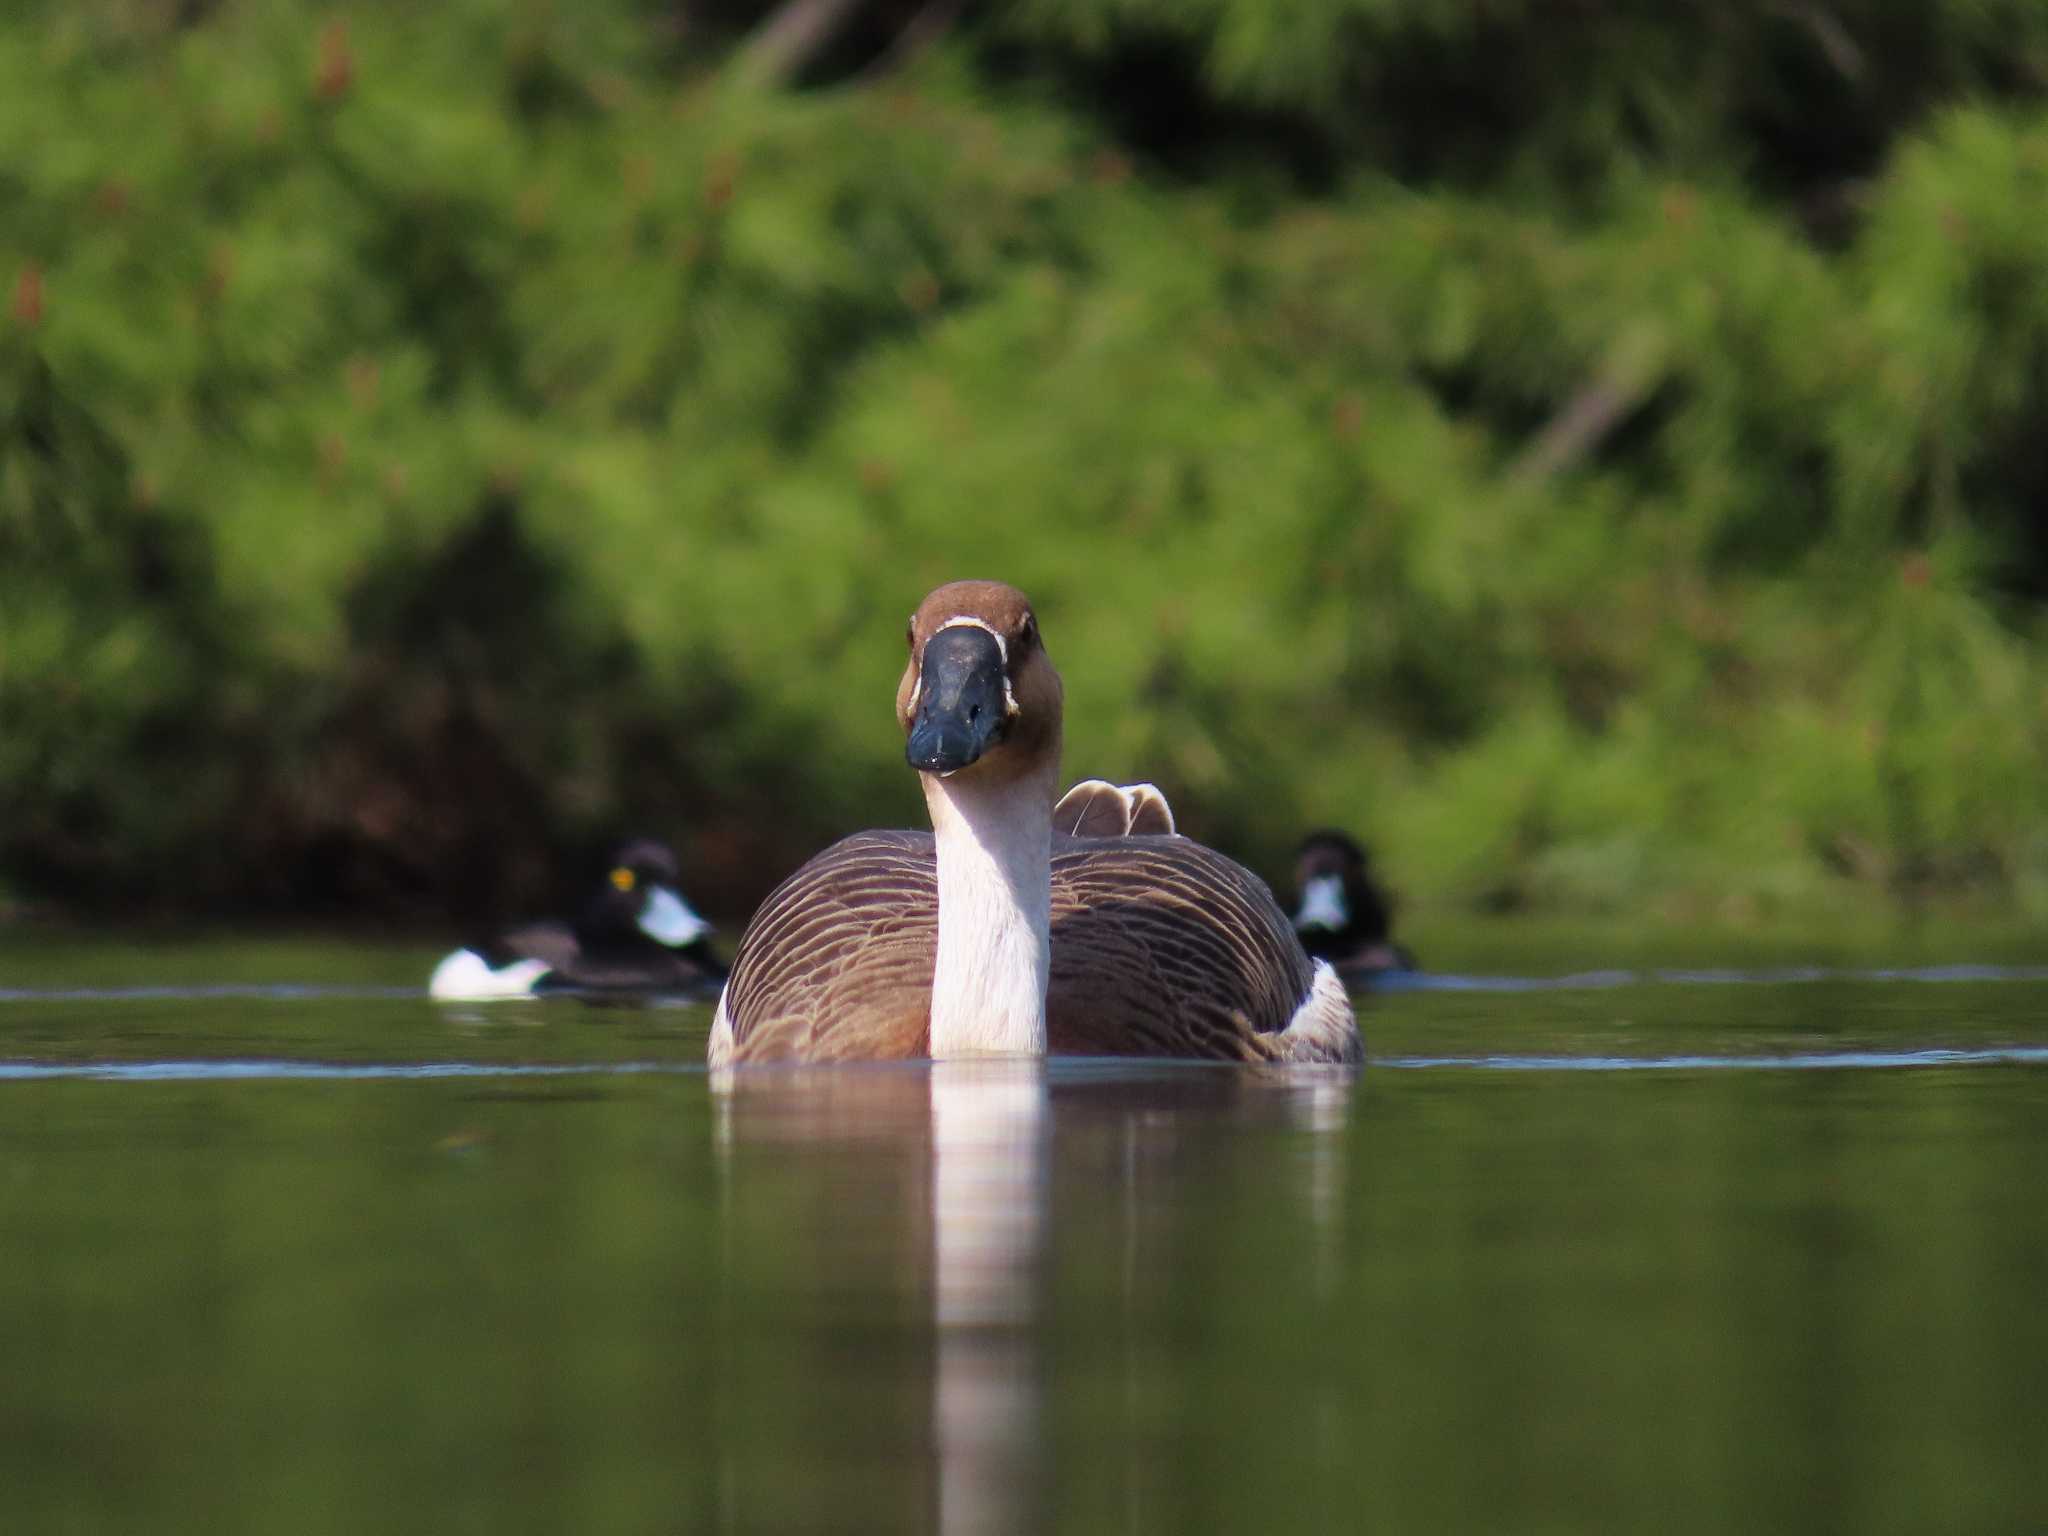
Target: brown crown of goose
1034, 686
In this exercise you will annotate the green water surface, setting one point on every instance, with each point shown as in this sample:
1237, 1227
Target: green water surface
1503, 1281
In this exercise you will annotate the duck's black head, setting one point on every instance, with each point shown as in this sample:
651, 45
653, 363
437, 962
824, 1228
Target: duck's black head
648, 860
1339, 910
642, 894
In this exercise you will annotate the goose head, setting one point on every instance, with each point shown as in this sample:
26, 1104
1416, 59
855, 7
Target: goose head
979, 699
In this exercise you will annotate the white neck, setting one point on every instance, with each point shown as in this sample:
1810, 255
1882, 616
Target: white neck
995, 915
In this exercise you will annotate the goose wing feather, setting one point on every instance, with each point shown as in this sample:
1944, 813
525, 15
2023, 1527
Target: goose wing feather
1162, 947
1092, 808
1151, 816
837, 964
1098, 808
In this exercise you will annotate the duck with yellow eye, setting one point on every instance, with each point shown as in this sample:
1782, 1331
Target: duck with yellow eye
635, 935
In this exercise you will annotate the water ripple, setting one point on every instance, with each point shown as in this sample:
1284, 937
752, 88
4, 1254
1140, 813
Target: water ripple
1434, 981
279, 992
1790, 1061
311, 1071
1394, 981
281, 1070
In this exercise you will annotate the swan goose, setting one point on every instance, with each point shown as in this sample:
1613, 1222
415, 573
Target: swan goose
1000, 932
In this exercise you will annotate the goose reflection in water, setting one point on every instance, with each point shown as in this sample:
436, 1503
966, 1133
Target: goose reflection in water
932, 1186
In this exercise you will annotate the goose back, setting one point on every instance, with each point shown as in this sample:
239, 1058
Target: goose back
1160, 946
1163, 947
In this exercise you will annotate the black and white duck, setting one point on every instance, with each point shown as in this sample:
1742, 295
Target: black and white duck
1340, 911
634, 934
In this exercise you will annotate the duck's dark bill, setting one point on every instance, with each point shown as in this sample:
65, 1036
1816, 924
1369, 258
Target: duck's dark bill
960, 700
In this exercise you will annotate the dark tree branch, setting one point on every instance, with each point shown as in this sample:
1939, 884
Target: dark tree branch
1602, 404
926, 27
798, 33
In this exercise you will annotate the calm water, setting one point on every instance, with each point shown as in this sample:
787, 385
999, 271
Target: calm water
284, 1247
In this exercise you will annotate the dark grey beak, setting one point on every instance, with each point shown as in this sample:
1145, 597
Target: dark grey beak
960, 700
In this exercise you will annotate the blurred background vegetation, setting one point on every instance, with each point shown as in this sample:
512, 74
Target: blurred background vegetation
1597, 453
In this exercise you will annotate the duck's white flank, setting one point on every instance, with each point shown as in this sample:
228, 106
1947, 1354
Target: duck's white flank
994, 846
466, 976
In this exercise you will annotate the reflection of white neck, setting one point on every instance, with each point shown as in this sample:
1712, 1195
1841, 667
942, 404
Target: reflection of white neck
988, 1225
988, 1194
995, 914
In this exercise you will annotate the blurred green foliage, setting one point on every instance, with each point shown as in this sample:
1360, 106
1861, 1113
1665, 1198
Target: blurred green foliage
1595, 455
